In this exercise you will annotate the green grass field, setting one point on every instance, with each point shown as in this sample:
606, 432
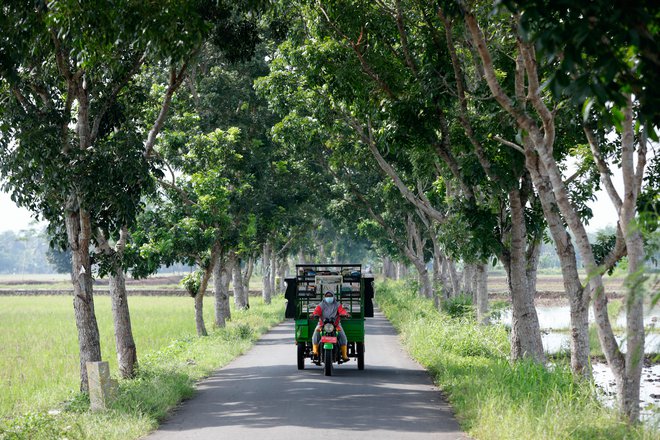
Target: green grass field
39, 364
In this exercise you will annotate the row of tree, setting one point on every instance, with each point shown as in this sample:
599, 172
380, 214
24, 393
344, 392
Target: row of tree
448, 128
217, 134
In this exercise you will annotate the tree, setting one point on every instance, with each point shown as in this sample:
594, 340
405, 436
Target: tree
539, 129
59, 68
188, 223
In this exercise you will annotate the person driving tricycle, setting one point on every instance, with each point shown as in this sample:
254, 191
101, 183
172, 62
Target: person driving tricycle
331, 309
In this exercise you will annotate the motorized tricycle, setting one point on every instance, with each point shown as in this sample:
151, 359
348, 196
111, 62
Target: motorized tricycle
304, 292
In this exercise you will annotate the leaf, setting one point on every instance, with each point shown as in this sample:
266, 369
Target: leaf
586, 109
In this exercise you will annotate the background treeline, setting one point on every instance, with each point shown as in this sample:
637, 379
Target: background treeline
28, 252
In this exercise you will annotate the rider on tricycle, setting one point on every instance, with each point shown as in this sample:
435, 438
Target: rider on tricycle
330, 311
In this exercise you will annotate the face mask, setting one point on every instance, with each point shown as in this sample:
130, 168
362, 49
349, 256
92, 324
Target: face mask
329, 300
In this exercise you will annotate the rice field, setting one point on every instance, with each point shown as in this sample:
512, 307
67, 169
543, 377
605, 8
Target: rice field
39, 364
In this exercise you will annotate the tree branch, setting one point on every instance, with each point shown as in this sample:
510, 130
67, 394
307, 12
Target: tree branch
534, 95
367, 138
355, 46
442, 148
463, 109
404, 38
500, 96
176, 78
103, 242
62, 64
181, 192
118, 86
641, 159
603, 169
123, 239
510, 144
618, 251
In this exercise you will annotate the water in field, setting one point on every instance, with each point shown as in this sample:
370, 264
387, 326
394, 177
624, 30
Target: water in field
649, 395
555, 323
558, 317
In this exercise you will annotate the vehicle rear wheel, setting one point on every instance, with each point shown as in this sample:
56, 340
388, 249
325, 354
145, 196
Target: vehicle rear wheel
360, 355
327, 362
301, 355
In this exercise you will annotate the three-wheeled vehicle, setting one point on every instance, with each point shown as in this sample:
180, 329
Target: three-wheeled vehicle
353, 289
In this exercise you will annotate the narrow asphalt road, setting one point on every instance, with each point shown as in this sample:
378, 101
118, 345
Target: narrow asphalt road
262, 395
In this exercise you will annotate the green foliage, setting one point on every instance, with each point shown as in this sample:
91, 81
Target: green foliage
492, 398
191, 282
459, 306
602, 248
600, 49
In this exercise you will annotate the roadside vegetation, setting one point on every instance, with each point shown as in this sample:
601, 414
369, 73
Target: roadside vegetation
39, 401
493, 398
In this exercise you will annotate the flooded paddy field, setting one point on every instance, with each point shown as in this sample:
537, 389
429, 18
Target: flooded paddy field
554, 319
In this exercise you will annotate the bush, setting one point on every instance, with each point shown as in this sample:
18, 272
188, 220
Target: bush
459, 306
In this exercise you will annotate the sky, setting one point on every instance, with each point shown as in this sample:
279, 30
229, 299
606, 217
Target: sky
13, 218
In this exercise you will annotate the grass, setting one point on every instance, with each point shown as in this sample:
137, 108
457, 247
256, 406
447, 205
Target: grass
492, 398
39, 363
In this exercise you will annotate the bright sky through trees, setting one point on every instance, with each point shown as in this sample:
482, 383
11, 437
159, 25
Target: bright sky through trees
13, 218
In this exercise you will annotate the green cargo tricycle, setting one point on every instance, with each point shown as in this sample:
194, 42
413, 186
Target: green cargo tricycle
353, 289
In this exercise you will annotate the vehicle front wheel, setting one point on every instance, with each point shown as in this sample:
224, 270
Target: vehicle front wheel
301, 355
360, 354
327, 362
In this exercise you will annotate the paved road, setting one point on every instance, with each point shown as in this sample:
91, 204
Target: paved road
263, 396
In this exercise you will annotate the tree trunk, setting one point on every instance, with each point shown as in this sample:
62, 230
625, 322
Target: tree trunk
425, 286
633, 175
401, 271
475, 282
630, 388
221, 278
124, 342
468, 279
237, 281
454, 277
126, 350
199, 297
199, 315
389, 271
273, 270
281, 274
78, 228
445, 279
577, 297
265, 262
321, 258
249, 268
525, 331
438, 285
439, 280
482, 293
533, 254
